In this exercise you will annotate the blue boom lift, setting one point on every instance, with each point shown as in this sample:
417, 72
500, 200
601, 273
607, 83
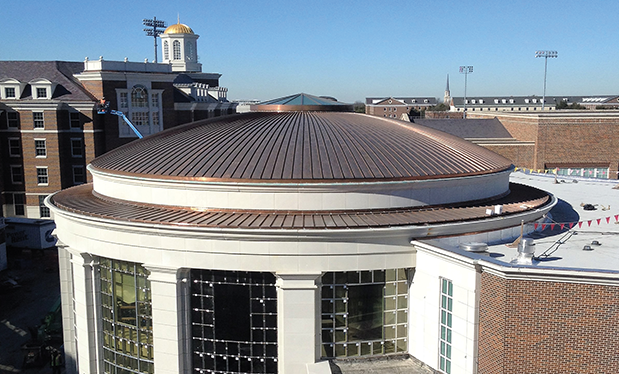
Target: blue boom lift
104, 108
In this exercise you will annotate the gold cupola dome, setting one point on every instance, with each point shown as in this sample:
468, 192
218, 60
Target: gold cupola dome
178, 28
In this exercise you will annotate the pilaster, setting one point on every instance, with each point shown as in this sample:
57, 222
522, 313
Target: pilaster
298, 328
171, 326
84, 299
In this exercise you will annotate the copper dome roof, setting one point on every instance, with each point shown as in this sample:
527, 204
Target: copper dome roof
301, 147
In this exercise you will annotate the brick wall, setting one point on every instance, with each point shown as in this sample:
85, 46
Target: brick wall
581, 140
565, 139
521, 155
536, 327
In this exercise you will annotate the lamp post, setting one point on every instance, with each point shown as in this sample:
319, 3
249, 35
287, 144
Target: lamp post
545, 55
465, 70
154, 30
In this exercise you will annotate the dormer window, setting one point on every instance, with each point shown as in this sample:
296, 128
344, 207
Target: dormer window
41, 93
526, 101
11, 89
426, 101
504, 101
496, 101
42, 88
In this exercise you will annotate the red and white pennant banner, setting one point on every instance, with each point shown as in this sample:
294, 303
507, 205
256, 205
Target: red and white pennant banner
572, 224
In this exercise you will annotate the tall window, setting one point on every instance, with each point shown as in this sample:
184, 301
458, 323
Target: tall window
9, 92
39, 122
154, 100
139, 97
79, 176
14, 147
12, 119
76, 147
142, 107
43, 209
127, 317
189, 51
19, 204
446, 320
124, 102
74, 120
234, 322
364, 313
17, 174
40, 148
166, 51
139, 118
176, 47
42, 178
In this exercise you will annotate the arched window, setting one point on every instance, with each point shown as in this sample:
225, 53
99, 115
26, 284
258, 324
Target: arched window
139, 97
166, 52
176, 46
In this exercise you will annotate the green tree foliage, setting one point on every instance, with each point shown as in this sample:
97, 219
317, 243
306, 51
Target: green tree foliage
442, 107
564, 105
358, 107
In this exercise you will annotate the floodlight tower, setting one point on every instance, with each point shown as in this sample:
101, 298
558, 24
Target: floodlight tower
465, 70
545, 55
154, 29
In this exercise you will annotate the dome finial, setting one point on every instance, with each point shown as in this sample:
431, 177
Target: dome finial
178, 18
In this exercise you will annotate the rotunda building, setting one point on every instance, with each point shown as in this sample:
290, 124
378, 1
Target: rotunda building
268, 242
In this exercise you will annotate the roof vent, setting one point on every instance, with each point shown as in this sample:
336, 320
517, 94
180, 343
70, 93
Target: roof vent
475, 247
526, 250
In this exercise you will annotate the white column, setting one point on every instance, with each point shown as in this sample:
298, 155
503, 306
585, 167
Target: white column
298, 322
86, 334
171, 338
68, 316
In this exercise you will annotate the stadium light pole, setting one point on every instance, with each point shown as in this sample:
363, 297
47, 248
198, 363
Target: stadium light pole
545, 55
465, 70
154, 30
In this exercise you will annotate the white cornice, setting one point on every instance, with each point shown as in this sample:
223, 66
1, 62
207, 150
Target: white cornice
124, 76
31, 105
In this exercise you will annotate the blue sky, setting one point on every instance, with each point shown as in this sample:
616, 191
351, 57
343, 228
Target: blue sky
346, 49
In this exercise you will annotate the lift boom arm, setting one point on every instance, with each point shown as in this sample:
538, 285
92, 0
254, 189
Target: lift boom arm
104, 108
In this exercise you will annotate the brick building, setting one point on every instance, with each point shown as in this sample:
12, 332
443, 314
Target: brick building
531, 103
553, 310
394, 107
576, 143
49, 128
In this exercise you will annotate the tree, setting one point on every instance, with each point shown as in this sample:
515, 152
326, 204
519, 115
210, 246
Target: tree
564, 105
414, 113
358, 107
442, 107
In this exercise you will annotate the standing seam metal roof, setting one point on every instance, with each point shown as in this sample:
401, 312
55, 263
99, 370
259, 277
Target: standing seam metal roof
301, 147
82, 200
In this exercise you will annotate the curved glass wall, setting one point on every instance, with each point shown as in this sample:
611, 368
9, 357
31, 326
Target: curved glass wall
127, 317
364, 313
234, 322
